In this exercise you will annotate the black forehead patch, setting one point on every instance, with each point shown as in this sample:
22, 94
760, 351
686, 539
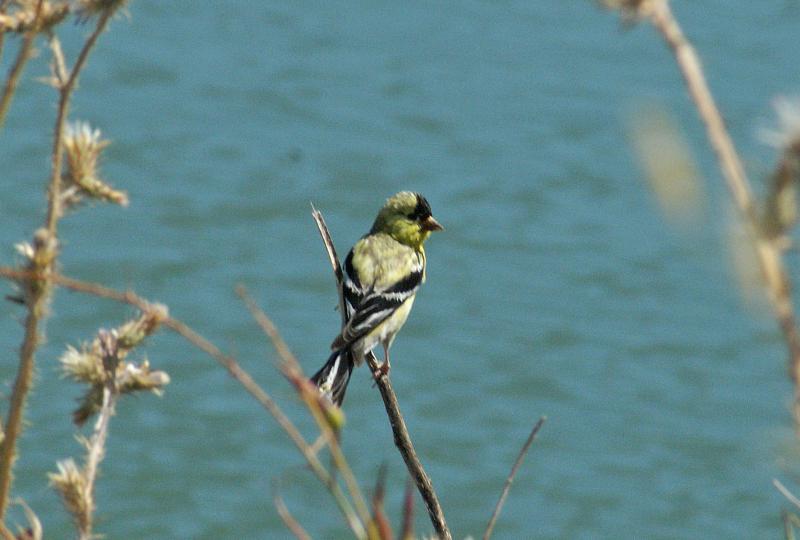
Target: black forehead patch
422, 210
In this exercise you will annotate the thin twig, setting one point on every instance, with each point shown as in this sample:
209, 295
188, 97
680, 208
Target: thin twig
401, 437
407, 532
59, 64
790, 521
291, 367
23, 56
785, 492
226, 361
65, 93
507, 487
95, 455
268, 327
283, 511
380, 522
768, 252
333, 258
788, 529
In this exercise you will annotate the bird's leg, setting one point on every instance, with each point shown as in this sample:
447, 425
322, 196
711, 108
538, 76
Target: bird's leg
383, 369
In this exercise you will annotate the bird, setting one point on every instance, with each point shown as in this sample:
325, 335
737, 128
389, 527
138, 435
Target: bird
382, 273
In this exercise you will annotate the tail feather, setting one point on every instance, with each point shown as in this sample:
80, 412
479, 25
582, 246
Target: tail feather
333, 376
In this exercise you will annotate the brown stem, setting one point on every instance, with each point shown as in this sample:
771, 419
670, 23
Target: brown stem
22, 385
95, 456
507, 487
23, 56
291, 523
40, 297
401, 437
65, 93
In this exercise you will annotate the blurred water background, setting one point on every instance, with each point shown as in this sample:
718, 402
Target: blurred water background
558, 288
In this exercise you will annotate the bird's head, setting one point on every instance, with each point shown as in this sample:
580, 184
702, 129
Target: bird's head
407, 218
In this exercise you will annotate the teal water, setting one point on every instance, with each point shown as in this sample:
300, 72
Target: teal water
557, 289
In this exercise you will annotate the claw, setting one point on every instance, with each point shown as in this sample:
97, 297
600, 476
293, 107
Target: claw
382, 371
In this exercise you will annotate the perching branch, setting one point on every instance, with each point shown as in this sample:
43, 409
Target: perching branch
401, 437
502, 500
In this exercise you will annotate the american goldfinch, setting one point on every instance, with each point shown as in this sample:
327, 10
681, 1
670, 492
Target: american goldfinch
381, 276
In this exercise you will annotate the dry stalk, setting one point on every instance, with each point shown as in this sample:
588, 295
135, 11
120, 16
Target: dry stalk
327, 416
40, 295
786, 493
97, 445
43, 254
401, 437
65, 94
288, 519
23, 56
768, 250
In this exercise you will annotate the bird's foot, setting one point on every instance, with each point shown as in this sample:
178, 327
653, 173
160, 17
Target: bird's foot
382, 371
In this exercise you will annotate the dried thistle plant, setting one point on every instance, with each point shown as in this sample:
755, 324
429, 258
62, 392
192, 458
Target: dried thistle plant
102, 366
70, 483
37, 257
87, 364
22, 17
83, 147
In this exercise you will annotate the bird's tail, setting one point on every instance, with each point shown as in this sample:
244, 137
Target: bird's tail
333, 376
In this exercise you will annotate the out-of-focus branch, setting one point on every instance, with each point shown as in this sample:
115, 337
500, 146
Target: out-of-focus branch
291, 523
401, 437
42, 258
226, 361
507, 487
768, 250
23, 55
327, 415
786, 493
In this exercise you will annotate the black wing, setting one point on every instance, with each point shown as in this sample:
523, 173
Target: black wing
367, 308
